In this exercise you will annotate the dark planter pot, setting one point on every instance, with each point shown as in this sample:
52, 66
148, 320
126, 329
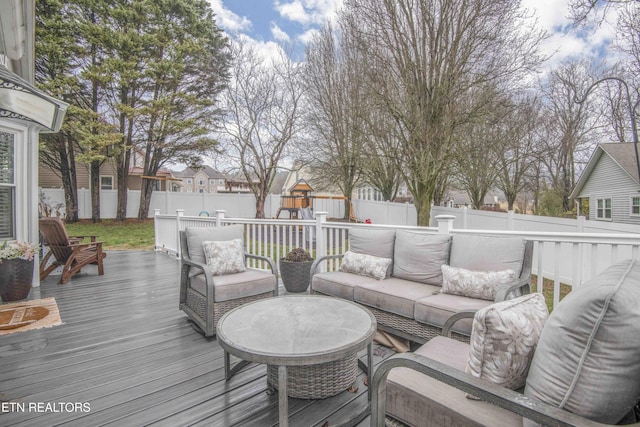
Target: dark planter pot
295, 275
15, 279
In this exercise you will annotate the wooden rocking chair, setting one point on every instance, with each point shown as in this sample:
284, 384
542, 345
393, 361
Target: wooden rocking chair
68, 252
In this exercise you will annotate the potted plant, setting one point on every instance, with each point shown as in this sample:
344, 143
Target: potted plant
295, 270
16, 269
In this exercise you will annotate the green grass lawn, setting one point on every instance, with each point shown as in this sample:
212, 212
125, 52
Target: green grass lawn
131, 234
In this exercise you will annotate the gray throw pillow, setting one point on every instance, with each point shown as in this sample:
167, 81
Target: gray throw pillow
378, 243
588, 357
419, 256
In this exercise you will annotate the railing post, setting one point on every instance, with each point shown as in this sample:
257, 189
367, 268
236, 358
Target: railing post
510, 220
219, 217
321, 238
445, 223
156, 234
179, 214
465, 217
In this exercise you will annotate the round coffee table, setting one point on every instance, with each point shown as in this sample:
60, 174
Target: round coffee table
309, 342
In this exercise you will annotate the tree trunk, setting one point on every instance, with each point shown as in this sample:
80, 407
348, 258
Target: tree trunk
95, 190
422, 201
260, 198
145, 198
69, 178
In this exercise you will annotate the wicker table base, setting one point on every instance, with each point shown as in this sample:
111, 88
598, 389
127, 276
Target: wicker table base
317, 381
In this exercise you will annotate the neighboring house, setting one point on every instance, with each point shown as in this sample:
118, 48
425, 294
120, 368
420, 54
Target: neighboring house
203, 180
460, 199
164, 180
25, 111
611, 184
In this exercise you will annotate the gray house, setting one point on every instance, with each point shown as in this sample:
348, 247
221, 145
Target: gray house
611, 184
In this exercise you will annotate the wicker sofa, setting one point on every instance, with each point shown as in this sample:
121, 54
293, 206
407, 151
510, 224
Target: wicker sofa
408, 301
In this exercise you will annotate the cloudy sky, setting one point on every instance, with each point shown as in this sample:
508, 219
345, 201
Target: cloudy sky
268, 22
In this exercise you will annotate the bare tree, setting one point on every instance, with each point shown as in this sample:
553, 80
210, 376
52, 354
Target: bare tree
424, 56
263, 115
569, 126
517, 155
336, 99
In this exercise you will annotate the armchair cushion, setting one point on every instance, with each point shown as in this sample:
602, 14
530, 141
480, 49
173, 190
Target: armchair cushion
487, 253
197, 235
503, 339
379, 243
365, 265
224, 257
588, 356
474, 284
418, 256
338, 283
240, 285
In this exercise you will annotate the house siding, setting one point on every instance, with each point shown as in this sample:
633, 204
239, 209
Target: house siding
48, 178
608, 180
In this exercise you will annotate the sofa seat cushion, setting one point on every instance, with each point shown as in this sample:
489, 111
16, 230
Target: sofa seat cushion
419, 256
588, 357
239, 285
338, 283
436, 309
487, 253
393, 295
413, 397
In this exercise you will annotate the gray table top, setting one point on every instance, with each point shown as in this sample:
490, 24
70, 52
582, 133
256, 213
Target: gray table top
296, 330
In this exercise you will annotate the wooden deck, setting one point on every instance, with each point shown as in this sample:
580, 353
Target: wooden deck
130, 356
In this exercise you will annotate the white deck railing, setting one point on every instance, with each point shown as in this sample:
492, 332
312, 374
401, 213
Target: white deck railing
569, 258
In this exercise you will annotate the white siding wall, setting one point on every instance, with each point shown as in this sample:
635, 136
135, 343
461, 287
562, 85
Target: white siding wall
608, 180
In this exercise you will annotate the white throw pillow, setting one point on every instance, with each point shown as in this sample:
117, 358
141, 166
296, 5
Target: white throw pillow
503, 339
474, 284
365, 265
224, 257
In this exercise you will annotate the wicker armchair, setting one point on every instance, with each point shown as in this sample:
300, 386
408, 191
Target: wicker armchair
205, 298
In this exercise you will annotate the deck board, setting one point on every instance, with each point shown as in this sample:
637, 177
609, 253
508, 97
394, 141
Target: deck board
126, 349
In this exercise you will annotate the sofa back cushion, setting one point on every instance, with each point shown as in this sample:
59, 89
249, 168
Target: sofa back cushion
487, 253
378, 243
588, 356
197, 235
419, 256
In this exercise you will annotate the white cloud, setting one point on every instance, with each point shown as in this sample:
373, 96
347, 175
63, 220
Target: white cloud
308, 12
278, 34
566, 41
228, 20
307, 36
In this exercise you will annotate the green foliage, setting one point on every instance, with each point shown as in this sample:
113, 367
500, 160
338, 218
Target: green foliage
550, 204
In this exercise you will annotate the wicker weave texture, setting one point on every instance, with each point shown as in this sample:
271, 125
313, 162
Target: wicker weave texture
317, 381
198, 303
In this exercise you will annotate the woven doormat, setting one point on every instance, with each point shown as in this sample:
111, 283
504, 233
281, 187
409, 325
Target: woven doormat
28, 315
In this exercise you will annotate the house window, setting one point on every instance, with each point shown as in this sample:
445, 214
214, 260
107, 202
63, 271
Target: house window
221, 182
635, 206
201, 181
106, 182
189, 181
603, 210
212, 182
7, 186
